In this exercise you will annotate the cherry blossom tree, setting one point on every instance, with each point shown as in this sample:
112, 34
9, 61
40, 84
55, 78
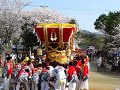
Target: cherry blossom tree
10, 12
10, 20
38, 16
46, 15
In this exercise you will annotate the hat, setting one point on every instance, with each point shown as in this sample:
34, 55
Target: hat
8, 58
26, 59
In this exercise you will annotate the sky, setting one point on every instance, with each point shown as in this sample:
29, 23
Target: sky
84, 11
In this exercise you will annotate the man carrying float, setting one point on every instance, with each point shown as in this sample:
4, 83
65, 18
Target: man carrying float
84, 75
58, 40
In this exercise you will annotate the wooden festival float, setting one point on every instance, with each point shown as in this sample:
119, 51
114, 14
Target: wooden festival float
58, 40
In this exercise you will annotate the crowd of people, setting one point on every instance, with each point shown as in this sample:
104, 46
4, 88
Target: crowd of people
46, 75
108, 61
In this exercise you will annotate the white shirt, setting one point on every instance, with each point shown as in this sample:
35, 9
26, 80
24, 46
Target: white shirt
14, 56
51, 70
99, 61
32, 57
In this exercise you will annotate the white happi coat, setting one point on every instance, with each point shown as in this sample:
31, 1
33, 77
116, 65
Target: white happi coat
35, 79
23, 78
60, 76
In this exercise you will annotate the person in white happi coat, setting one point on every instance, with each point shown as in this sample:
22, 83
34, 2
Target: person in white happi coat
23, 78
51, 71
45, 78
35, 77
17, 68
7, 73
51, 68
60, 76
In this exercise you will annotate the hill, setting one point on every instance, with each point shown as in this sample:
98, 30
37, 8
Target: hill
88, 32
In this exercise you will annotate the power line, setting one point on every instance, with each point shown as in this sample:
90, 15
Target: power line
77, 9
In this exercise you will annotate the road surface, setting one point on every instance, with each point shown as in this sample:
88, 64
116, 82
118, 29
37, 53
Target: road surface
103, 80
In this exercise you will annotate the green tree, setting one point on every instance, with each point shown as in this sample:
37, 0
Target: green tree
15, 40
78, 34
72, 21
29, 38
91, 39
108, 25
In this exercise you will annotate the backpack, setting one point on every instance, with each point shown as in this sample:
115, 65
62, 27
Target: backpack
69, 77
45, 76
80, 75
5, 71
72, 78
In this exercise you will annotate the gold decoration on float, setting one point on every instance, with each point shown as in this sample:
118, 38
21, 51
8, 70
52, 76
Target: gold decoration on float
39, 51
59, 42
53, 35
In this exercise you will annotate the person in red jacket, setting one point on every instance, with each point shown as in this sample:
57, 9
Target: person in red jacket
7, 72
77, 68
72, 76
85, 72
17, 68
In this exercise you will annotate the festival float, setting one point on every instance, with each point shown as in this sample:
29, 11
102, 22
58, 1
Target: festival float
58, 40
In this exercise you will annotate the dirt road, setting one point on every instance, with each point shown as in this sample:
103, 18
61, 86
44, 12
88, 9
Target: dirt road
103, 80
